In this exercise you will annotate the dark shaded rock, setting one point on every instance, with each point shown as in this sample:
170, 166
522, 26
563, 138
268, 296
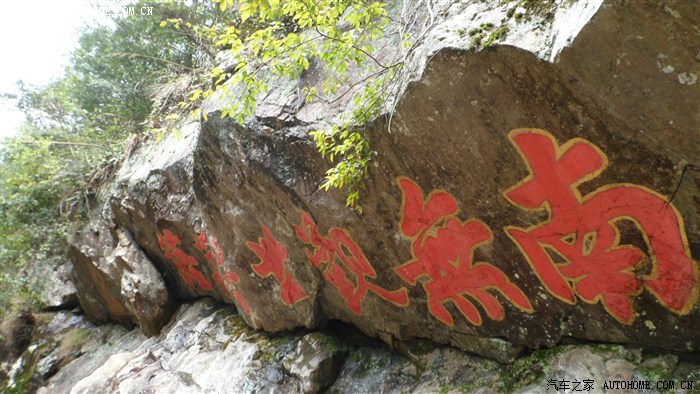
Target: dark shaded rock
373, 370
231, 175
16, 330
492, 348
152, 194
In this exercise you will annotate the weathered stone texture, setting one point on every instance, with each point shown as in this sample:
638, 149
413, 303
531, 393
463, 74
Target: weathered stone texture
207, 348
117, 282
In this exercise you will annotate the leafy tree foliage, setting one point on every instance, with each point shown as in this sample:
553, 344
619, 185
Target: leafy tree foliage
30, 190
282, 38
140, 73
116, 68
77, 128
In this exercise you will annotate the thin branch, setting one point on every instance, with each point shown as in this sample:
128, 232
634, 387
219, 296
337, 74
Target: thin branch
126, 54
353, 46
363, 80
687, 167
105, 147
197, 40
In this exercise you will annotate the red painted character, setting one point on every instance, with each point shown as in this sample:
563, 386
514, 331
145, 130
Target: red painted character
340, 255
443, 250
186, 264
272, 256
582, 231
225, 280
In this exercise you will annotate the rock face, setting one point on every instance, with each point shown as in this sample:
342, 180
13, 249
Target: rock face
207, 348
525, 194
117, 282
57, 290
315, 362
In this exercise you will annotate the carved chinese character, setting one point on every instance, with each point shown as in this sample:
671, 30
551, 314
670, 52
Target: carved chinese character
577, 250
338, 255
272, 256
186, 264
443, 251
225, 280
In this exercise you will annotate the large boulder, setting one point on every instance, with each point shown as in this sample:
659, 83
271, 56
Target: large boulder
117, 282
526, 193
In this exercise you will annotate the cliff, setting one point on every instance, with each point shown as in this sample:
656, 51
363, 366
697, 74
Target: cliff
521, 193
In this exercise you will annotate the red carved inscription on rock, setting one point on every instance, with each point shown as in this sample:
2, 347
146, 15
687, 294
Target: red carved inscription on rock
225, 280
344, 265
582, 231
186, 264
443, 251
273, 256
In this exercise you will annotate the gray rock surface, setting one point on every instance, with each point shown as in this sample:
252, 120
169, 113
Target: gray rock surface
58, 290
315, 362
50, 277
208, 348
116, 281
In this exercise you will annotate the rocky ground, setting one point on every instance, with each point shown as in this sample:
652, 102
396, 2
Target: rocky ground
207, 348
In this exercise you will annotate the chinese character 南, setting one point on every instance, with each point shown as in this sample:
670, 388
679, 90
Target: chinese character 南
443, 250
338, 255
272, 256
577, 251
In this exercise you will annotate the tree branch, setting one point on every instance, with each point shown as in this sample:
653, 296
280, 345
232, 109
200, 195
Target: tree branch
125, 54
105, 147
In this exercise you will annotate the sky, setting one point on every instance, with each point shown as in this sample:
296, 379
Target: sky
36, 39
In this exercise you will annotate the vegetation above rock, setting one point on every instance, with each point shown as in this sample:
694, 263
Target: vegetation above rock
138, 74
282, 39
78, 127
